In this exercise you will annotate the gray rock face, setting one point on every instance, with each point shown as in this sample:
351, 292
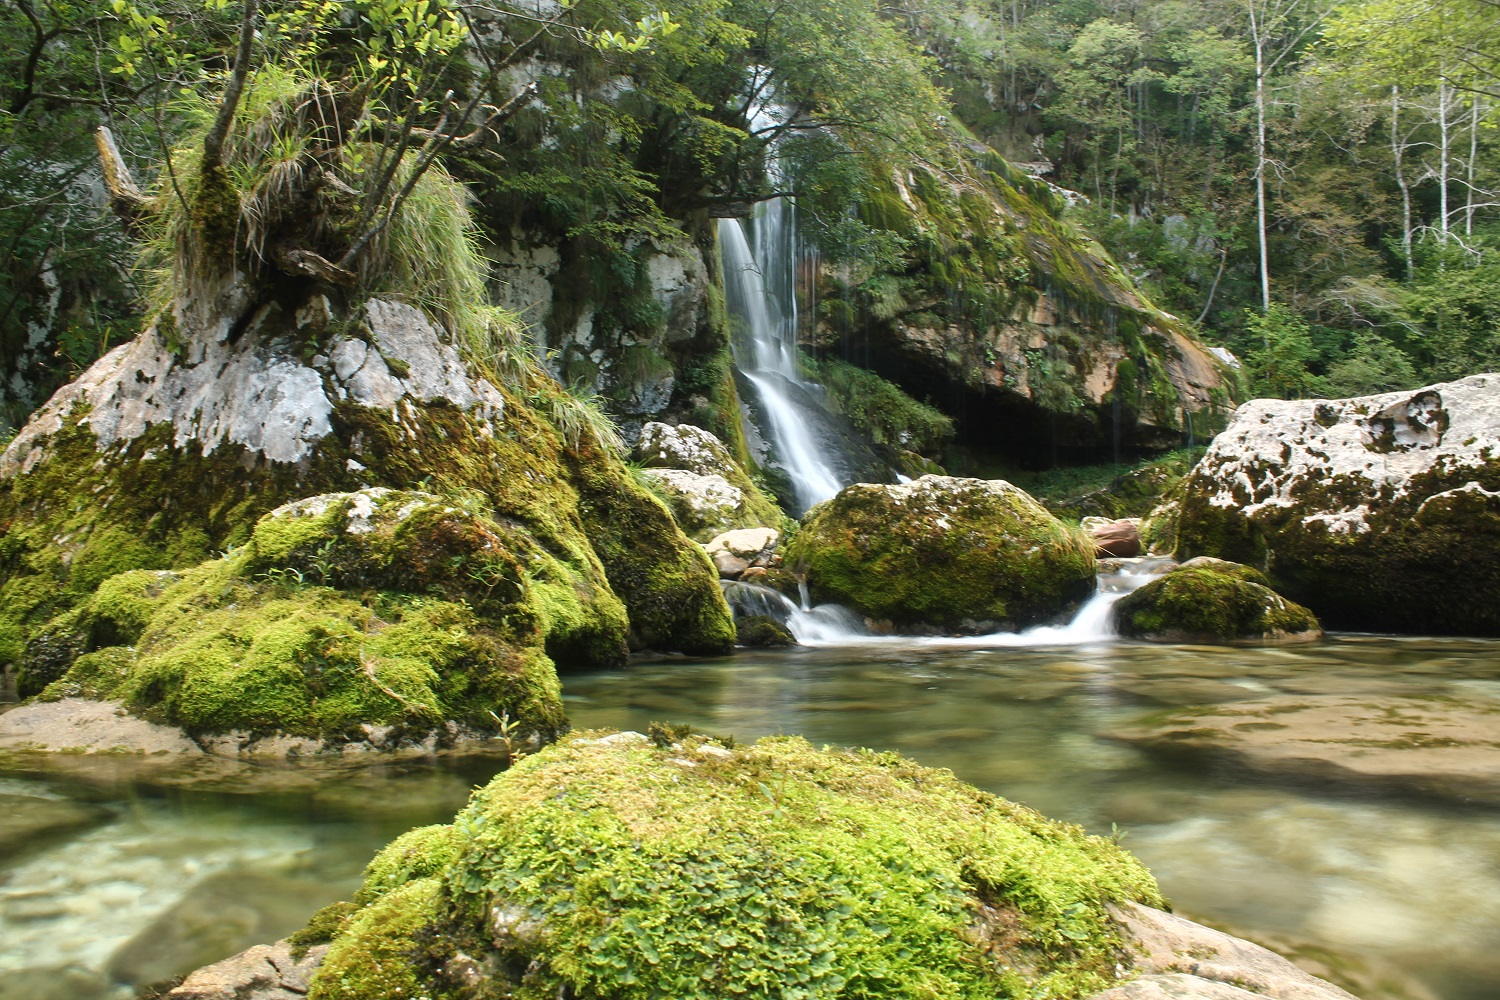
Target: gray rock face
79, 725
692, 449
703, 505
1376, 512
1432, 747
243, 391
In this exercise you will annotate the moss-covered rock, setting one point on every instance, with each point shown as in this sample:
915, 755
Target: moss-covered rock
1374, 512
943, 553
762, 632
1211, 601
384, 608
611, 866
152, 459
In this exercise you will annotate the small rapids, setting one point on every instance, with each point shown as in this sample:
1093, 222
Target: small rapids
835, 625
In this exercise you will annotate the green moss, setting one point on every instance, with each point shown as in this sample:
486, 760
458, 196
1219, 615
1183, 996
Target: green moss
377, 956
881, 409
322, 928
615, 867
419, 853
1203, 604
953, 554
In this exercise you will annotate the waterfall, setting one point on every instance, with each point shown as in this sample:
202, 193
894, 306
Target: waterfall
833, 625
760, 258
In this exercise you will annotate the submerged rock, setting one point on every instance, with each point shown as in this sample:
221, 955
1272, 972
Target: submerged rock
1432, 746
617, 865
1381, 513
1212, 601
943, 553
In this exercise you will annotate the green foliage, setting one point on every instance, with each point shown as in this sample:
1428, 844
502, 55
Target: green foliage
616, 867
880, 409
1280, 363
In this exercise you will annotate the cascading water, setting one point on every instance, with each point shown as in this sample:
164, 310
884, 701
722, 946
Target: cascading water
760, 272
832, 625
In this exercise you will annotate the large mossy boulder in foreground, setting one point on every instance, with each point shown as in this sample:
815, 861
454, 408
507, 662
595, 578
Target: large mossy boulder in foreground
943, 553
617, 867
399, 610
1213, 601
1381, 513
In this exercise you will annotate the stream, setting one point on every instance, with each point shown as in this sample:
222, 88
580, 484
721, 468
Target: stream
115, 873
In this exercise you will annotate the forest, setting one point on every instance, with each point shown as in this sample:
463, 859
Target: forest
785, 499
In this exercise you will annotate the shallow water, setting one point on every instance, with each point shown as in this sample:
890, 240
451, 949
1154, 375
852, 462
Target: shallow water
108, 882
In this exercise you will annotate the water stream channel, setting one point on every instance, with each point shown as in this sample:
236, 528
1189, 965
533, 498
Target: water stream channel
115, 873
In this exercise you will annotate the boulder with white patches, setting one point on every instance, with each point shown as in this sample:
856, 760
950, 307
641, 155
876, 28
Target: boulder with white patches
1379, 512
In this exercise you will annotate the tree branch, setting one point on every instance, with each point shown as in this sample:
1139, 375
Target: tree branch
213, 142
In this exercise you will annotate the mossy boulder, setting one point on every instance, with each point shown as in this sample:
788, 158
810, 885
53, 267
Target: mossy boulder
1374, 511
762, 632
379, 608
943, 553
160, 455
1211, 601
610, 865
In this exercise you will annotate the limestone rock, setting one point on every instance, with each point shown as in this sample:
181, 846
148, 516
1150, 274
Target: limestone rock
1207, 604
1183, 960
756, 546
702, 504
1377, 512
81, 725
1407, 743
264, 972
692, 449
943, 553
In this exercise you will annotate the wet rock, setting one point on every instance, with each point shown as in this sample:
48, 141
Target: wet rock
1201, 604
264, 972
763, 632
81, 725
1114, 539
943, 554
1366, 510
1181, 960
1427, 745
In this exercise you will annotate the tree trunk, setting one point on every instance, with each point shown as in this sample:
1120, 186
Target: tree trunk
1398, 157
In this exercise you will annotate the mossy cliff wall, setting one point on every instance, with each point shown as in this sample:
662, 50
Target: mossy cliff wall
1013, 319
160, 455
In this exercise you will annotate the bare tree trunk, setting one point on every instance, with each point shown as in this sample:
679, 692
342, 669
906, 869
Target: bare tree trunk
1260, 159
1474, 101
213, 142
1444, 159
1398, 157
